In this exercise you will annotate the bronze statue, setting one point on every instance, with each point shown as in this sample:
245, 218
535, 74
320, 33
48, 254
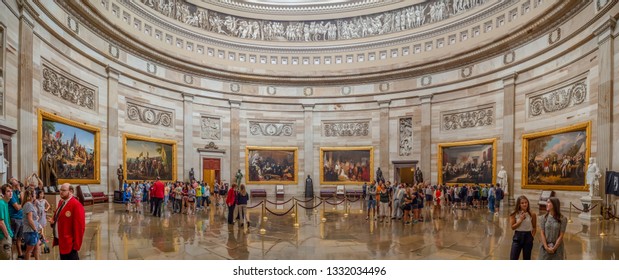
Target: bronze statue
119, 173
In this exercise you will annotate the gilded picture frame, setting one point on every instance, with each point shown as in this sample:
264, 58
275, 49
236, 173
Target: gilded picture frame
73, 135
556, 159
339, 164
466, 162
138, 149
271, 165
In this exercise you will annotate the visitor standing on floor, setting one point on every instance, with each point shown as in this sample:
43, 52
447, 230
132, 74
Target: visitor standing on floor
524, 224
6, 234
31, 226
68, 224
231, 202
552, 226
158, 190
17, 216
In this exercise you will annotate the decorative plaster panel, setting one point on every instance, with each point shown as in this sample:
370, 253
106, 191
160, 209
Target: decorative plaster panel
149, 115
467, 118
210, 128
268, 128
559, 99
69, 88
346, 128
406, 136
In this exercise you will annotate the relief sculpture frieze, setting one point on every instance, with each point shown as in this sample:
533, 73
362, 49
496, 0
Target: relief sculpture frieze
210, 128
483, 116
406, 136
69, 88
401, 19
559, 99
149, 115
346, 128
267, 128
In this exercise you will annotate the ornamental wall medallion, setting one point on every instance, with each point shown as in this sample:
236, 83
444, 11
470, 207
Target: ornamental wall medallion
554, 36
426, 80
271, 90
210, 128
466, 71
151, 68
406, 136
235, 87
113, 50
268, 128
73, 25
69, 88
509, 57
308, 91
468, 118
384, 87
188, 79
559, 99
148, 115
346, 90
346, 128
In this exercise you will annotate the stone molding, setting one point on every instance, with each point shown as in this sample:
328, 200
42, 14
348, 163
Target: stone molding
149, 115
406, 136
558, 99
271, 128
346, 128
468, 118
69, 88
210, 127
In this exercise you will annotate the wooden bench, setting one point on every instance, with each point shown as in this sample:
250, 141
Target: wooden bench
543, 198
327, 192
258, 193
99, 197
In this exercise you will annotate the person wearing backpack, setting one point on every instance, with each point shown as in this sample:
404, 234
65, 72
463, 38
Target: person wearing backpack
499, 197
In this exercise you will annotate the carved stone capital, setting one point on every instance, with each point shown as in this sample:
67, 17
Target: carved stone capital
149, 115
346, 128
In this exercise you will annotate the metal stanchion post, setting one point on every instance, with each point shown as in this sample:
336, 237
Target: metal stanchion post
361, 204
264, 219
323, 212
315, 208
296, 216
345, 207
569, 219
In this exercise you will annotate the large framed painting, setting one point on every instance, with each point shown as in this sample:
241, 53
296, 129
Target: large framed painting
346, 165
147, 158
468, 162
271, 165
556, 159
73, 147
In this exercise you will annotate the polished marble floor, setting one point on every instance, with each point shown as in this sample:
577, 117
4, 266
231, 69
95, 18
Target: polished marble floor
114, 234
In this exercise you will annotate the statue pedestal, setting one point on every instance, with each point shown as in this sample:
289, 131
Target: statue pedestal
588, 202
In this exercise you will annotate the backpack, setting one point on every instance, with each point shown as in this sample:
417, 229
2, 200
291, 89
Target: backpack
499, 194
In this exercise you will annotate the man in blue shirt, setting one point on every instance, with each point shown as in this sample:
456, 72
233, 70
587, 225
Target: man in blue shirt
6, 234
17, 216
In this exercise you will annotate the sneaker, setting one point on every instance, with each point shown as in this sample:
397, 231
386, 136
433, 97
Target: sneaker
407, 223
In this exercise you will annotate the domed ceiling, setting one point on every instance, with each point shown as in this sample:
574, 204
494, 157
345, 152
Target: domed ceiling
330, 41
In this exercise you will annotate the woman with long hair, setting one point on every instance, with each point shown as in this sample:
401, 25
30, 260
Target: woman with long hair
241, 204
31, 226
523, 222
553, 226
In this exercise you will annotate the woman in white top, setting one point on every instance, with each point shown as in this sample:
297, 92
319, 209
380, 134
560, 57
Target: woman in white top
524, 223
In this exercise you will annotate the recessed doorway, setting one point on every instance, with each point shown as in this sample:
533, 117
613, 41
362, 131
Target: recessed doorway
211, 171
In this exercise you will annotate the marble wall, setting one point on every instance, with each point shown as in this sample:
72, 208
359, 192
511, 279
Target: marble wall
203, 110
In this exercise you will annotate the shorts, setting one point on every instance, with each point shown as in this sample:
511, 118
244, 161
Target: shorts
31, 238
484, 198
371, 204
407, 207
428, 197
17, 226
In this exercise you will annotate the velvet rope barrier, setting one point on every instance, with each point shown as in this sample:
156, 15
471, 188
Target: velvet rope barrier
279, 203
351, 201
280, 214
251, 207
315, 206
298, 200
581, 210
338, 203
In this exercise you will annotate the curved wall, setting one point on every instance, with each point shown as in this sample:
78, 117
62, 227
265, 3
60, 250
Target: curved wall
582, 49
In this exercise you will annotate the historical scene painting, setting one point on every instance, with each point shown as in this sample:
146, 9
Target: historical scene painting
269, 165
70, 147
147, 159
556, 158
346, 165
470, 162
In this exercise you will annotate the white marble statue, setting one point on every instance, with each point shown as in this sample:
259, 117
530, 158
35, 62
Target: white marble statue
4, 164
501, 178
593, 178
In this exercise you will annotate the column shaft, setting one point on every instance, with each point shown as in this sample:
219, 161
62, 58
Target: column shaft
26, 120
308, 147
509, 103
426, 138
235, 142
114, 158
188, 150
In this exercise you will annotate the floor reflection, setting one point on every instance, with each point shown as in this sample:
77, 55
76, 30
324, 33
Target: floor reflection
112, 233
